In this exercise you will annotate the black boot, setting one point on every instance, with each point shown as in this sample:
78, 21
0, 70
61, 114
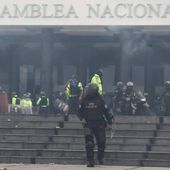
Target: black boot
101, 162
66, 117
90, 163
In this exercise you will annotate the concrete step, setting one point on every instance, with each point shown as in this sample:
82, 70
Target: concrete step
24, 137
64, 131
71, 138
36, 117
115, 140
158, 155
18, 130
165, 127
163, 133
134, 132
67, 153
21, 117
30, 124
162, 141
117, 126
64, 160
82, 161
70, 125
67, 146
161, 148
136, 119
74, 118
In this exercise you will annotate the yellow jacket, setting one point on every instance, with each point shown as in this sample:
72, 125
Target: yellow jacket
67, 89
97, 80
26, 103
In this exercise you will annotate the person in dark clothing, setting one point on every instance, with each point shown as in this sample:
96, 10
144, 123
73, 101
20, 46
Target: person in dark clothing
94, 116
165, 99
43, 103
118, 97
73, 90
129, 99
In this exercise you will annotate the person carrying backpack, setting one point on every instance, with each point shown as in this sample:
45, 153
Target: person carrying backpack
43, 103
73, 90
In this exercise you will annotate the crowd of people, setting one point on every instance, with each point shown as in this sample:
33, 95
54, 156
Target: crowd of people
124, 99
24, 103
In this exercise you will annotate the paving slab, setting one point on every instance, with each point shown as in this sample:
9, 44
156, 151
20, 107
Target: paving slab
73, 167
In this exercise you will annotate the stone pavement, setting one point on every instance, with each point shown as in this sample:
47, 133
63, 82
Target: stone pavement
72, 167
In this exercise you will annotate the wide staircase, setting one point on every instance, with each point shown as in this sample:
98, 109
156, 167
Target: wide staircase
137, 141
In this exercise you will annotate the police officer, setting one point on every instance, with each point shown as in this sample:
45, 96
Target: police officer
129, 99
43, 103
73, 90
97, 79
165, 99
118, 96
26, 104
94, 116
15, 102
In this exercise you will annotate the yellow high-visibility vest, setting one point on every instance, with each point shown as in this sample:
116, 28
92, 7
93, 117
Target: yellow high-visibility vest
97, 80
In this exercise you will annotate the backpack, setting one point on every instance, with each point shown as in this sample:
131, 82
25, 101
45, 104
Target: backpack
74, 90
17, 101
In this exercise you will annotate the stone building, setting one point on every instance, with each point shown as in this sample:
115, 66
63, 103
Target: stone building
34, 58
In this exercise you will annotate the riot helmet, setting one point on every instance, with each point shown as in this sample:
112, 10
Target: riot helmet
167, 85
99, 72
42, 93
119, 85
129, 86
91, 90
29, 94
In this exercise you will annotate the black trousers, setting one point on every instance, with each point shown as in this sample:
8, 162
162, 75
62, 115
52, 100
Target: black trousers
43, 110
100, 136
73, 105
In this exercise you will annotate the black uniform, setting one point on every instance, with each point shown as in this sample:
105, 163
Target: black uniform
95, 112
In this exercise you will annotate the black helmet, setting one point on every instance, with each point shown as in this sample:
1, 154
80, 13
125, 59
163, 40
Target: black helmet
42, 93
99, 72
91, 90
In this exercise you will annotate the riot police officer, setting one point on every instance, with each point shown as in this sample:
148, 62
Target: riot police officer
94, 116
129, 99
118, 96
165, 99
43, 103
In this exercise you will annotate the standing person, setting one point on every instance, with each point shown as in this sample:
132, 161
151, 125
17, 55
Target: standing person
73, 90
94, 116
165, 99
15, 103
26, 104
118, 96
129, 99
97, 79
3, 101
43, 103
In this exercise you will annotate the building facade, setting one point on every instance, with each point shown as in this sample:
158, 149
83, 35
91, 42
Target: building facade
44, 58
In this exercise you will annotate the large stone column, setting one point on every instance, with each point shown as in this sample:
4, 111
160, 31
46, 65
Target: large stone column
14, 66
82, 70
46, 60
124, 63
